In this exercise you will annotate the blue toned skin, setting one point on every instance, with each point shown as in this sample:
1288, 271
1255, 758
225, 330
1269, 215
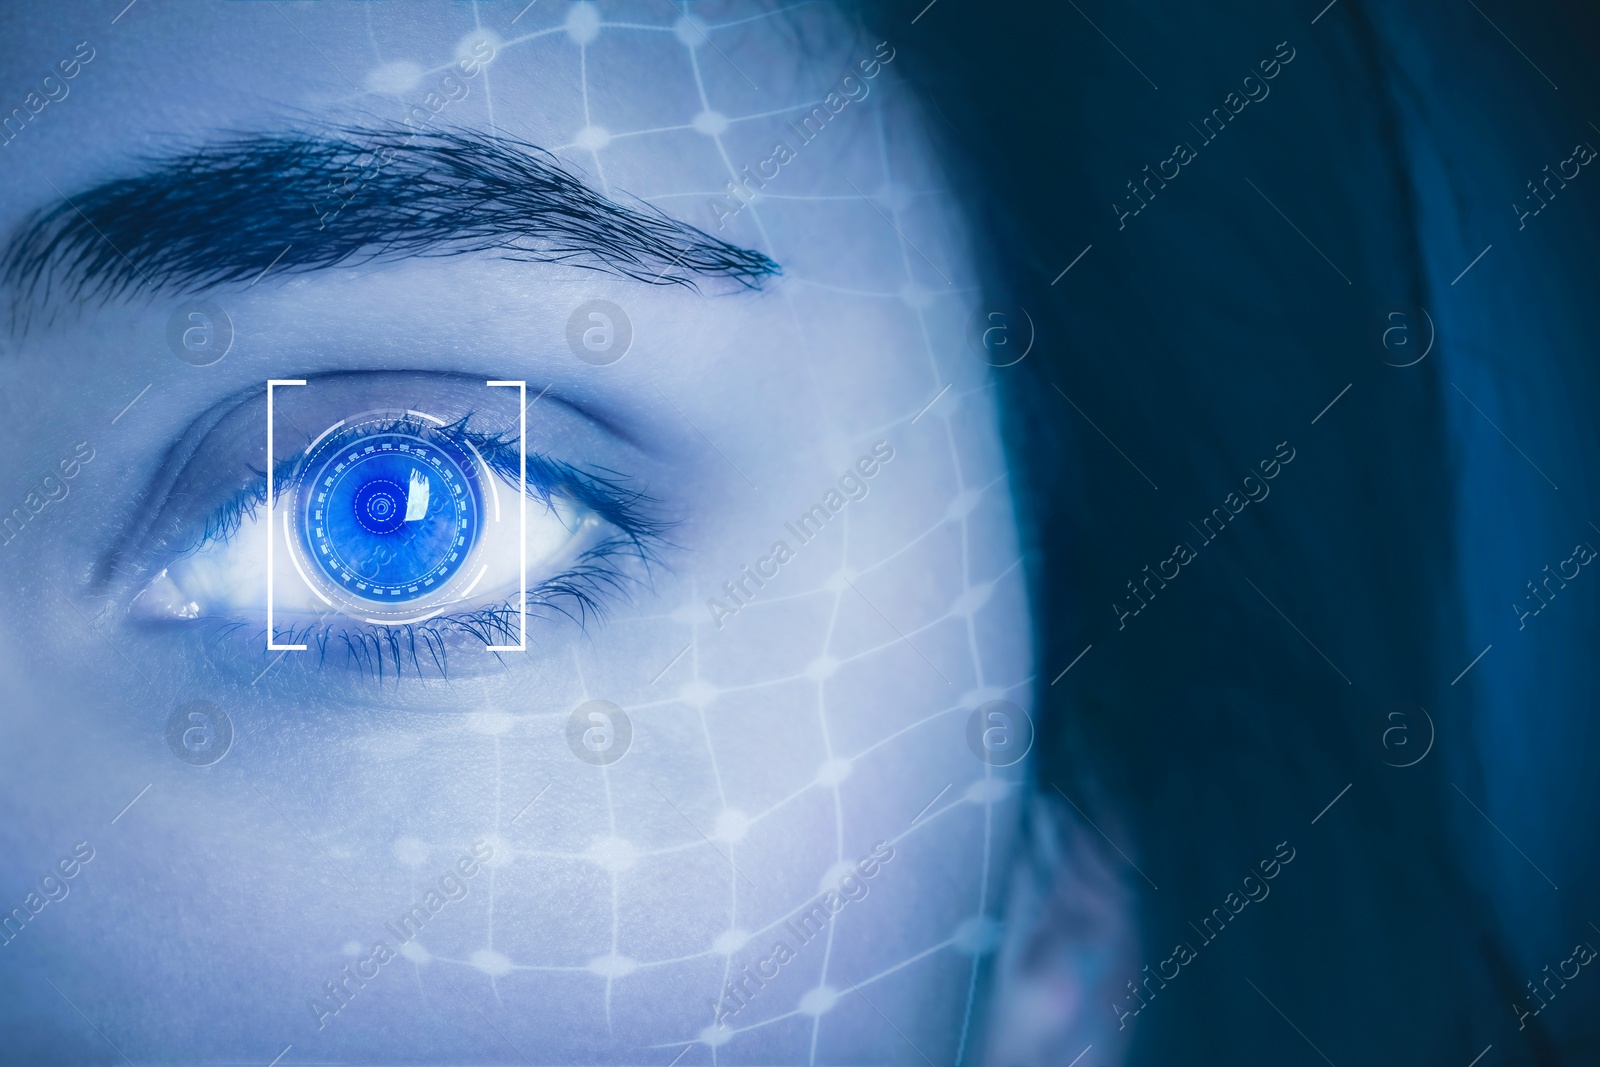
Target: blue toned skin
412, 850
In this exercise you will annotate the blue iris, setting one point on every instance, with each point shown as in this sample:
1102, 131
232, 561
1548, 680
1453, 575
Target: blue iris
389, 513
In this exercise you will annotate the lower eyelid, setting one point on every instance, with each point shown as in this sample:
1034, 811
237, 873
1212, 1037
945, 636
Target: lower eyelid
452, 643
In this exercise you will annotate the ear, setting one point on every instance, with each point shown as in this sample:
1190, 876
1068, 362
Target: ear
1061, 911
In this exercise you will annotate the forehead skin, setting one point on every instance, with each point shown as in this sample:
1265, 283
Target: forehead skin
767, 753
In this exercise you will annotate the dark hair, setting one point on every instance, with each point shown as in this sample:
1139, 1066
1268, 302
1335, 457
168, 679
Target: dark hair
1257, 305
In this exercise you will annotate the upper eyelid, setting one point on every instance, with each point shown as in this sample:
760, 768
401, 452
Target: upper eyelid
225, 520
176, 519
601, 490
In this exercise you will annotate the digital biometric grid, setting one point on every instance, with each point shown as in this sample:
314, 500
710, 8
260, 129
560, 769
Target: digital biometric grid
689, 685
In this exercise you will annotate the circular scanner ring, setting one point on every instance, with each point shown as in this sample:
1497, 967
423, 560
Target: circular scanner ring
387, 511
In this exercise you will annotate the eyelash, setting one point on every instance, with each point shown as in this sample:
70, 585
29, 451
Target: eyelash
602, 573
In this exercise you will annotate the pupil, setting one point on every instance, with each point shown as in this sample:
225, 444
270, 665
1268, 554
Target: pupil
377, 506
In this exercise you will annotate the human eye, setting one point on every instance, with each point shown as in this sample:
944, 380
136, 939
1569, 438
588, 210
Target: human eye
409, 524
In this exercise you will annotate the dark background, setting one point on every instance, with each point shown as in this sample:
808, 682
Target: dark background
1219, 322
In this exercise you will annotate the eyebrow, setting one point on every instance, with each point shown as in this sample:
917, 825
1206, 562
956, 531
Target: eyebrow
228, 211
